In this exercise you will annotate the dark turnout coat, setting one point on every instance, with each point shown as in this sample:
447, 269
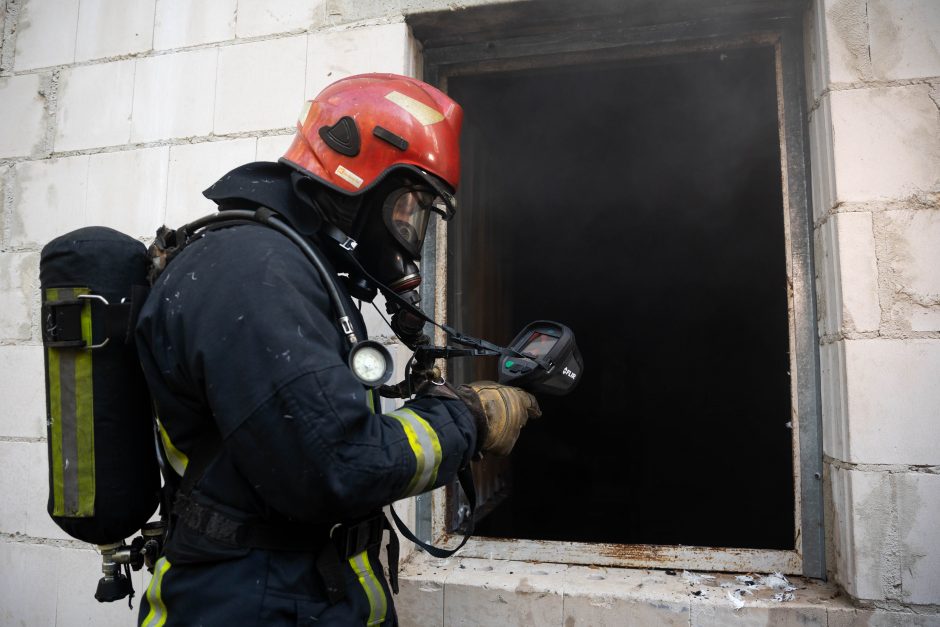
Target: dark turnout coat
247, 367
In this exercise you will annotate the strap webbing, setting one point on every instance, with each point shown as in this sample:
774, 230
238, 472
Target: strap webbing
465, 477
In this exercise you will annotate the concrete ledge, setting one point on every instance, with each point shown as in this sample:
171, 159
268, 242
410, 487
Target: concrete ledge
469, 591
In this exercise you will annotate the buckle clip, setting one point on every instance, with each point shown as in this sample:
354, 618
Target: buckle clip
62, 323
355, 539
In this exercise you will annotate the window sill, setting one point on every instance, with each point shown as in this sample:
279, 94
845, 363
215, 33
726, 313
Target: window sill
502, 592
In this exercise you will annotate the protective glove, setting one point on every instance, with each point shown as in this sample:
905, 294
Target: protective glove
500, 412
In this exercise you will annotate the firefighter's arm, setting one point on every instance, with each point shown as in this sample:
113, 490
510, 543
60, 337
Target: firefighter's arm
315, 452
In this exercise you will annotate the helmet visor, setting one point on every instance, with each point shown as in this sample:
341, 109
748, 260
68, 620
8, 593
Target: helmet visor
407, 212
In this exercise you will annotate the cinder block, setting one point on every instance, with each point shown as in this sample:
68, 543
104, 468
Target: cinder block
891, 401
181, 23
260, 85
847, 40
273, 147
420, 600
108, 28
21, 388
912, 254
14, 483
337, 54
925, 318
822, 160
858, 272
918, 513
127, 190
94, 106
872, 546
259, 17
887, 536
833, 391
717, 610
905, 38
854, 617
78, 574
405, 508
28, 587
45, 33
193, 168
623, 597
49, 199
869, 556
174, 95
22, 115
828, 298
19, 292
840, 566
375, 316
886, 142
497, 593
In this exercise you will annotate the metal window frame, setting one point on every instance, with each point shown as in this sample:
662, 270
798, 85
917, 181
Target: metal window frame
781, 28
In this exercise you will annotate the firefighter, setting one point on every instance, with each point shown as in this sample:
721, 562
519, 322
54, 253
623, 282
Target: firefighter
279, 459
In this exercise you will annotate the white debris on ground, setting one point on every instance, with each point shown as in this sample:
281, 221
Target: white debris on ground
695, 578
743, 585
736, 600
775, 582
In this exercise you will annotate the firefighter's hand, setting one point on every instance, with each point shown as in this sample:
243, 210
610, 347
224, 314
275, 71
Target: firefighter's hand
500, 411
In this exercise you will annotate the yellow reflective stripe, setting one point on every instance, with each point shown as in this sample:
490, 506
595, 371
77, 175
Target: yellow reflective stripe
55, 423
370, 400
177, 458
71, 417
156, 617
426, 447
378, 605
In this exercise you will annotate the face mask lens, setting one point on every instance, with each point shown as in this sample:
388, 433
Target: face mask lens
407, 218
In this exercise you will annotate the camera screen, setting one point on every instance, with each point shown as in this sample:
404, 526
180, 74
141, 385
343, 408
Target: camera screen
539, 344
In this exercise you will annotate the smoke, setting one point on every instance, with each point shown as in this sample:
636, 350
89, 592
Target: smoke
641, 205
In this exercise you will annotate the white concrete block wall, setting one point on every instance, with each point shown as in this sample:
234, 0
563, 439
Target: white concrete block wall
260, 85
873, 76
120, 113
194, 167
174, 95
94, 106
182, 23
109, 28
22, 115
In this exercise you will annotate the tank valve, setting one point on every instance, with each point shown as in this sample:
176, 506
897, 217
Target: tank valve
115, 585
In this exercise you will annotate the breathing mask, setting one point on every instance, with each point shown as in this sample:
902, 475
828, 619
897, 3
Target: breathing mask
392, 230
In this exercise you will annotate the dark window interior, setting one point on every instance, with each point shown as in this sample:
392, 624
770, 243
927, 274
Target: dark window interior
639, 203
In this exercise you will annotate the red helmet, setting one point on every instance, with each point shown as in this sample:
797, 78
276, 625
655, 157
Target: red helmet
359, 128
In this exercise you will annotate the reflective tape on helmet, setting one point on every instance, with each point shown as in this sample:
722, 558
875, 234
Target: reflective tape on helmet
426, 447
424, 114
71, 418
378, 604
157, 615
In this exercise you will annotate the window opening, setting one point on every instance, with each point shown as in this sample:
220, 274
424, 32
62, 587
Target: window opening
639, 203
